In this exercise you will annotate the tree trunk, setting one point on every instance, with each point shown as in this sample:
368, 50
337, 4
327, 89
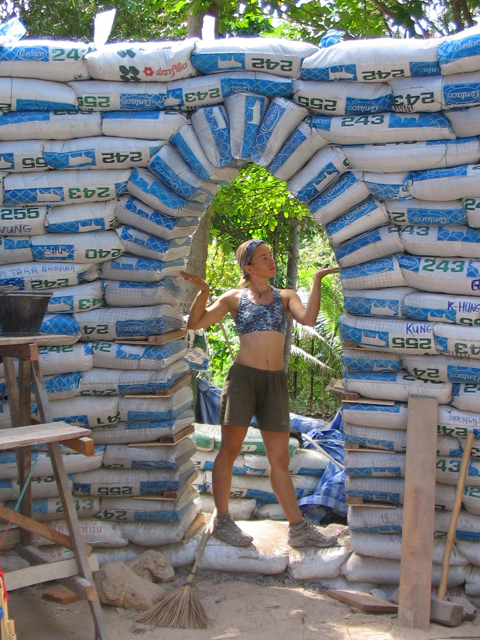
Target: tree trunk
197, 259
292, 273
457, 14
195, 21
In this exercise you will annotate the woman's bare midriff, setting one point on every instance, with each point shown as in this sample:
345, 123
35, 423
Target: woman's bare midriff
262, 350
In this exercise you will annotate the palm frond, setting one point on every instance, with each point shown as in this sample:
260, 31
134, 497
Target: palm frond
298, 351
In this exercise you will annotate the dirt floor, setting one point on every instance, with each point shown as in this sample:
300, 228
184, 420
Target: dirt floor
239, 605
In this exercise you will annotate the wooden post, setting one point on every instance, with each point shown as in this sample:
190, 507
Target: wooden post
418, 514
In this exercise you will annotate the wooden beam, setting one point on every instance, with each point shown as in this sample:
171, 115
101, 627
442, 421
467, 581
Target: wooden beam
84, 589
45, 572
45, 339
363, 601
39, 434
61, 595
20, 351
418, 514
80, 445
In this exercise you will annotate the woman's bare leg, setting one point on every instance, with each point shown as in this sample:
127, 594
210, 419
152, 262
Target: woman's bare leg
232, 440
276, 446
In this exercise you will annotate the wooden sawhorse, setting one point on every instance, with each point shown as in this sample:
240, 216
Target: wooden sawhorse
21, 438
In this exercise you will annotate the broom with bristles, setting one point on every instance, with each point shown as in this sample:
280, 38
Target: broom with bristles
181, 609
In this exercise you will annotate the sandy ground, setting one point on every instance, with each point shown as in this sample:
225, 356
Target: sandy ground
239, 606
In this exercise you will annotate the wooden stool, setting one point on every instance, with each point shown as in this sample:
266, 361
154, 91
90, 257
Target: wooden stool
76, 574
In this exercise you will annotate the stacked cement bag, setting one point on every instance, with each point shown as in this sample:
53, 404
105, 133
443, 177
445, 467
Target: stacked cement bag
251, 492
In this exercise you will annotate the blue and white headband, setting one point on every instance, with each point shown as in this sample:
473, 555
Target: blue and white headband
248, 253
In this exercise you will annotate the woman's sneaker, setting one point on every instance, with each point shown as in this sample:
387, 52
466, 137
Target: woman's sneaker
224, 528
305, 534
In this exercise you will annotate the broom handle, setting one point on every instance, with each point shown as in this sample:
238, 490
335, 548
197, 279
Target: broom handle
442, 589
201, 549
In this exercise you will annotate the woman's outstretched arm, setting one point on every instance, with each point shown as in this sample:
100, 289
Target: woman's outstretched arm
308, 315
199, 316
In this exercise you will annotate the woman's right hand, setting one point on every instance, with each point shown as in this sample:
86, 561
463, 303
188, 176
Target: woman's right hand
196, 281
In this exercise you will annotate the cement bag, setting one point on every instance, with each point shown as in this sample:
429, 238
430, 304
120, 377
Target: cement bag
138, 294
384, 127
471, 500
468, 525
81, 218
238, 508
367, 215
373, 60
387, 186
396, 386
460, 52
472, 585
62, 324
69, 187
122, 456
281, 119
323, 169
36, 276
212, 129
35, 95
270, 511
376, 274
454, 340
130, 510
443, 275
348, 191
132, 432
304, 142
245, 113
374, 465
133, 212
145, 186
448, 471
142, 61
383, 303
318, 564
82, 248
466, 397
22, 221
59, 60
200, 91
43, 467
135, 269
65, 358
204, 436
100, 153
168, 165
22, 156
146, 125
118, 96
379, 571
452, 422
304, 462
468, 550
259, 487
191, 151
412, 156
397, 336
111, 355
253, 442
155, 408
99, 382
96, 534
443, 368
41, 488
471, 208
389, 547
63, 385
391, 490
372, 438
47, 509
141, 244
14, 250
172, 535
267, 554
275, 55
379, 416
449, 241
424, 212
364, 361
110, 324
379, 243
417, 94
81, 297
445, 184
204, 461
86, 412
464, 122
342, 98
49, 125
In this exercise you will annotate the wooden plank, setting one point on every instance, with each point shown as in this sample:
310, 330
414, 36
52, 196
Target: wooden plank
167, 393
39, 528
39, 434
155, 340
363, 601
61, 595
82, 588
80, 445
24, 454
370, 505
12, 391
172, 495
351, 446
45, 572
362, 400
45, 340
166, 441
20, 351
418, 514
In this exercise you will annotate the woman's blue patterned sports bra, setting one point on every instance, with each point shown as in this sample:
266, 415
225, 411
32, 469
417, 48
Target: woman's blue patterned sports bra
261, 317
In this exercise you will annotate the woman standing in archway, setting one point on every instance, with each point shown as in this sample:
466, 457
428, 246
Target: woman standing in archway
256, 384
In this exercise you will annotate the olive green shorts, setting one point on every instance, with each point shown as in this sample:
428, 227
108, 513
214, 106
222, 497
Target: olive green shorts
249, 392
